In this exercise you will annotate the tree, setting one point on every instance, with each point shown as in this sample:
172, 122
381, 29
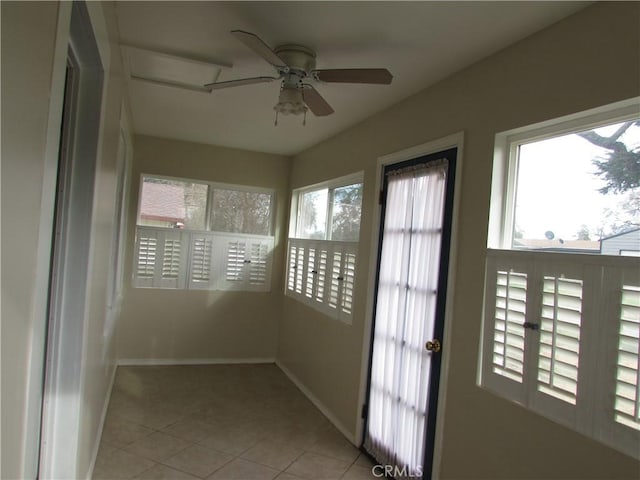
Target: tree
620, 167
347, 208
241, 211
583, 233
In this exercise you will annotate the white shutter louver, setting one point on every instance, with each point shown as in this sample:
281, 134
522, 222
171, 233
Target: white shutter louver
311, 272
171, 258
292, 267
201, 271
299, 270
560, 338
508, 331
336, 279
259, 265
321, 268
348, 283
627, 384
146, 257
234, 271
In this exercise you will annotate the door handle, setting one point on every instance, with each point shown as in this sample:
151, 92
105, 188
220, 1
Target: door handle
434, 346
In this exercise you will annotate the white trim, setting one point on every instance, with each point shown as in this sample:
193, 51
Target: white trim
34, 393
149, 362
103, 416
64, 388
318, 404
455, 140
101, 34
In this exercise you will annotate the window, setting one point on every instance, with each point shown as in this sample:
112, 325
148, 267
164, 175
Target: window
329, 213
324, 230
200, 235
573, 187
561, 332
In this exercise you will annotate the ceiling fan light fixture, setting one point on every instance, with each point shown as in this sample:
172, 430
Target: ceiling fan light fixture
290, 102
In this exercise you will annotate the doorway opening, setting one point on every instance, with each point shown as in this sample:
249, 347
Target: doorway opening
409, 310
70, 264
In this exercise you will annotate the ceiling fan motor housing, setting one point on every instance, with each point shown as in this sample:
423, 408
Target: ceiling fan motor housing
300, 60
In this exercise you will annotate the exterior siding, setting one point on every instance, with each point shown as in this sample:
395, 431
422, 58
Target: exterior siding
629, 241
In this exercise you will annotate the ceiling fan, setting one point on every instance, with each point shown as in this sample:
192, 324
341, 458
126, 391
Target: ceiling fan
295, 65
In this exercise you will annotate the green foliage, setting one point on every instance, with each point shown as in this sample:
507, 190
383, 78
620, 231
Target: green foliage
620, 166
347, 208
238, 211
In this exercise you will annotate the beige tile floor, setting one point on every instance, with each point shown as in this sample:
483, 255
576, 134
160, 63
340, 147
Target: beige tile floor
219, 422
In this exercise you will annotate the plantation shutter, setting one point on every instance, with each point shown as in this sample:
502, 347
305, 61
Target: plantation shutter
146, 254
508, 284
321, 274
245, 261
559, 352
292, 265
259, 265
234, 273
342, 265
173, 258
160, 258
619, 421
201, 270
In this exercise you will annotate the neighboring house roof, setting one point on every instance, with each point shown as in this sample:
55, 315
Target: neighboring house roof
556, 244
621, 233
163, 202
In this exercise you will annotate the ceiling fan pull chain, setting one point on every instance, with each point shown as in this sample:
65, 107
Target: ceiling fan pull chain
276, 123
304, 119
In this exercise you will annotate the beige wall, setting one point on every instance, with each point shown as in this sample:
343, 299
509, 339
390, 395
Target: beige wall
584, 61
31, 109
185, 325
28, 32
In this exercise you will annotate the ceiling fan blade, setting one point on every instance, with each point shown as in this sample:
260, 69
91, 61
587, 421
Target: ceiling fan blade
355, 75
240, 82
256, 44
315, 102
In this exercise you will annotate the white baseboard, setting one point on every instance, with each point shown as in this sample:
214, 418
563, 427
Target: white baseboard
134, 362
103, 416
319, 405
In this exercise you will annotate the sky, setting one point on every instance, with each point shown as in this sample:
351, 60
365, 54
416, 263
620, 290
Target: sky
557, 187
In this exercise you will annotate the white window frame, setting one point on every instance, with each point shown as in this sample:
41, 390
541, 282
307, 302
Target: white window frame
330, 291
603, 278
331, 185
505, 160
191, 267
212, 186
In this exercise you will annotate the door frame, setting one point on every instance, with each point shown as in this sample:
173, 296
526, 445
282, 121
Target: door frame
455, 140
63, 377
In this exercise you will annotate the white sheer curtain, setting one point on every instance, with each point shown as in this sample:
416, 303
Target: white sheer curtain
405, 314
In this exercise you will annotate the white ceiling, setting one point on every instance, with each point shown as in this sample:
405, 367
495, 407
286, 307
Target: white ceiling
419, 42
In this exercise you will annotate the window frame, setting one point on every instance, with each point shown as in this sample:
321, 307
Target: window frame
505, 160
211, 186
299, 272
257, 249
331, 185
603, 279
